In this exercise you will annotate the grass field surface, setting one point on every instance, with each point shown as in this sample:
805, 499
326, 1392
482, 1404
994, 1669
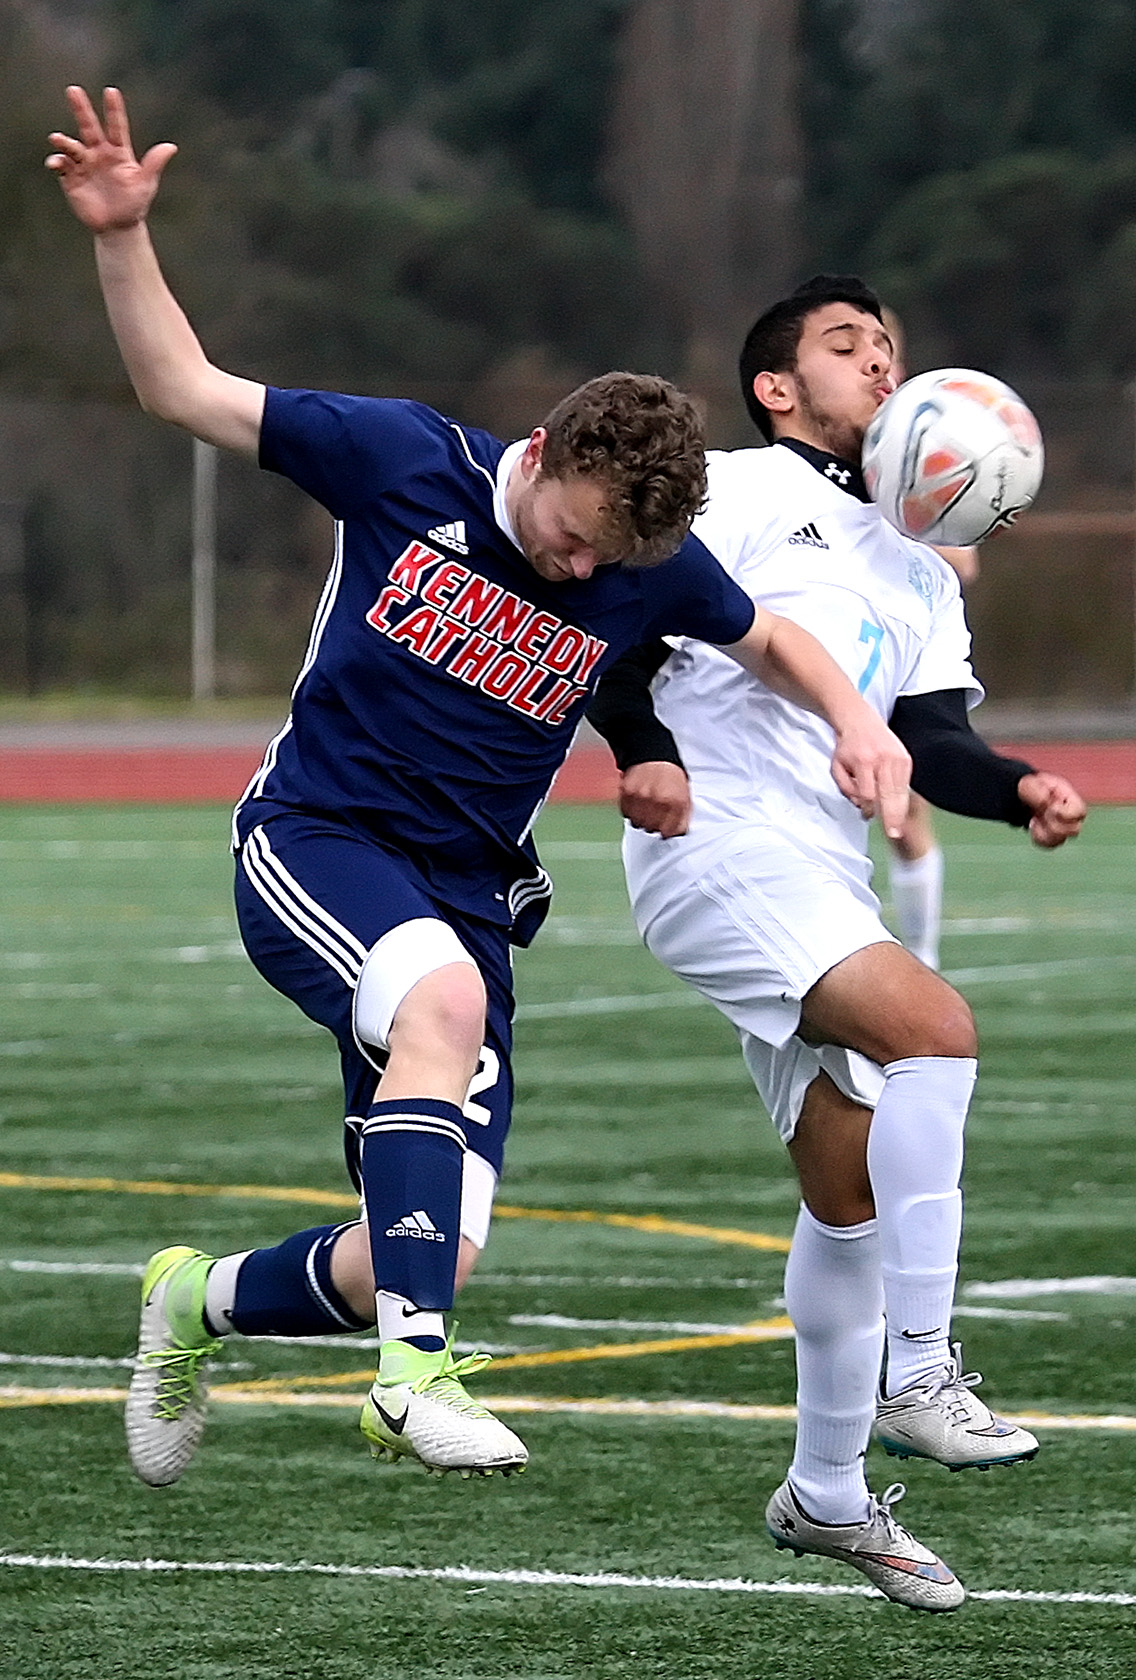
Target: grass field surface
153, 1089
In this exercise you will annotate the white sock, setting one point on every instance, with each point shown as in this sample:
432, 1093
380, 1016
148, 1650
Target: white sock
914, 1163
399, 1319
221, 1292
917, 895
834, 1296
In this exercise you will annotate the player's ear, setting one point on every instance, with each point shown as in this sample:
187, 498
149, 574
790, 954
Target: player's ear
534, 452
776, 391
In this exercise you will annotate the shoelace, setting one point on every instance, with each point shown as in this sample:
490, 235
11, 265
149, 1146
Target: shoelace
447, 1385
880, 1513
958, 1404
177, 1385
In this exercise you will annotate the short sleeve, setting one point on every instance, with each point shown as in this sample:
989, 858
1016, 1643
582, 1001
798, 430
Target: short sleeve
690, 595
342, 450
944, 661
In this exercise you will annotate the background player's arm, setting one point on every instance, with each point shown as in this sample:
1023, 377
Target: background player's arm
110, 191
870, 766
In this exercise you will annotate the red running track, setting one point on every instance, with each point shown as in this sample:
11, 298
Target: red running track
1103, 771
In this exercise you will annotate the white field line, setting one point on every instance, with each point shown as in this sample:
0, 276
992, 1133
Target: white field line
96, 1362
223, 1394
1021, 1288
995, 975
1015, 1287
580, 1280
77, 1268
1034, 971
520, 1578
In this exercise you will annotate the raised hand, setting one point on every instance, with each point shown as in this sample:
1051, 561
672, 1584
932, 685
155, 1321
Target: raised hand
105, 184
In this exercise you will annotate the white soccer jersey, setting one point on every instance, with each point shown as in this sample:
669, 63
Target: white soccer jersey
887, 609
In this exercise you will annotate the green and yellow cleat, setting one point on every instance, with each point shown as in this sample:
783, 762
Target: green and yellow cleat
165, 1408
419, 1408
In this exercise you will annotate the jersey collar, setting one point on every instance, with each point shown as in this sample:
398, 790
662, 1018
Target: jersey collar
504, 467
846, 475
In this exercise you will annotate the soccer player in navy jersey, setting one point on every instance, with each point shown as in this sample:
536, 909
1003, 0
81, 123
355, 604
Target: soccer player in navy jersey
385, 859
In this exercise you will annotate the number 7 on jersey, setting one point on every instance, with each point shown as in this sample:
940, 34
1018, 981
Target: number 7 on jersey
874, 635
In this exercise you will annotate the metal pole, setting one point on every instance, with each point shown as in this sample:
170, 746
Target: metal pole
204, 576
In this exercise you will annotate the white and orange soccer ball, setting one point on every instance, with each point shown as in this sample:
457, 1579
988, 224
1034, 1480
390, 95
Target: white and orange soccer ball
951, 455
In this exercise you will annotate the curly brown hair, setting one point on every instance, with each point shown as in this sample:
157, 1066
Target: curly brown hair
644, 439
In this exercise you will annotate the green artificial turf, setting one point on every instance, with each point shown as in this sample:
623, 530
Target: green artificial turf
137, 1044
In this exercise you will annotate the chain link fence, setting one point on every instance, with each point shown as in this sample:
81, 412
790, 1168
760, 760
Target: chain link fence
95, 551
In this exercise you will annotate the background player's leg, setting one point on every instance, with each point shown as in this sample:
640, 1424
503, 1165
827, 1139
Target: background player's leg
915, 874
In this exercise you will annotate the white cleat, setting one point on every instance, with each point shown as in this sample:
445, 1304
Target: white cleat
418, 1408
901, 1567
165, 1408
944, 1420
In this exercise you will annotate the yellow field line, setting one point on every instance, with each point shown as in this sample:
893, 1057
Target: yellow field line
248, 1396
162, 1187
654, 1222
650, 1222
768, 1330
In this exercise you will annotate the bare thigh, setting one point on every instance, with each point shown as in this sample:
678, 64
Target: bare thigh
884, 1003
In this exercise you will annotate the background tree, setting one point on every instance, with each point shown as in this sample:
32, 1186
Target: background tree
706, 165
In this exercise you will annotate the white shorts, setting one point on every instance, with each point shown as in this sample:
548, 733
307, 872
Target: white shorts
753, 919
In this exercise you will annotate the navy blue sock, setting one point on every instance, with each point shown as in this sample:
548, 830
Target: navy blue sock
287, 1290
411, 1167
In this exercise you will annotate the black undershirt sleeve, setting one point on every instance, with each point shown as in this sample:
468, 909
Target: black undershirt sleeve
953, 767
623, 712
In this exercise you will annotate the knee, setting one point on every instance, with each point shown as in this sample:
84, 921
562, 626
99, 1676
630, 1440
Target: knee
952, 1030
446, 1009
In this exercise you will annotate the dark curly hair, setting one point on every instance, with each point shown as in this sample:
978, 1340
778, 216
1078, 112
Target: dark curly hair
644, 440
771, 343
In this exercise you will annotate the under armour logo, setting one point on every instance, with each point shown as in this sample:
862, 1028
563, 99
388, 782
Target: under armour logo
839, 473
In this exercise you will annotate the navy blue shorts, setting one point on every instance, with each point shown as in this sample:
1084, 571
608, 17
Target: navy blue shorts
313, 896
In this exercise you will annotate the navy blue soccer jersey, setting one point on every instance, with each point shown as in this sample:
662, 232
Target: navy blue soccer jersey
444, 678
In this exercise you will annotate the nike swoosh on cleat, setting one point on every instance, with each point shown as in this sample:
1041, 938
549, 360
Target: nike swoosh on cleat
937, 1571
395, 1425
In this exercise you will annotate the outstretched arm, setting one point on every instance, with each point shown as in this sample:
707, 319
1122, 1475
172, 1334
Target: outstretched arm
956, 770
870, 766
110, 191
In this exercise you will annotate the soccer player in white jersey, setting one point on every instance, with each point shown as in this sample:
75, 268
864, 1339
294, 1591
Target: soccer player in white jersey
756, 888
385, 857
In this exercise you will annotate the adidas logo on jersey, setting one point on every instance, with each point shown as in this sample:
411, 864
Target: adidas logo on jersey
810, 535
450, 536
417, 1224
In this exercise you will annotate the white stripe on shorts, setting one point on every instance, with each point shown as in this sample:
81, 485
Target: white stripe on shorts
299, 912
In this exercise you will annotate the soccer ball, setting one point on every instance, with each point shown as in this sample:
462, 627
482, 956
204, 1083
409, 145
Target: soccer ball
951, 455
